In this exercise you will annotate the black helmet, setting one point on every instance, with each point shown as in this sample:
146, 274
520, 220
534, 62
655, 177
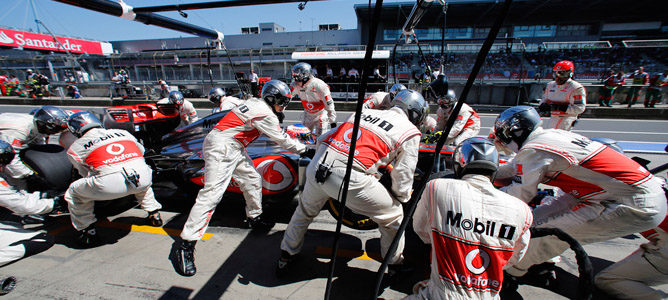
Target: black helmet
439, 87
50, 120
276, 92
448, 100
515, 124
395, 89
215, 94
176, 97
609, 142
412, 103
475, 156
302, 72
6, 153
79, 123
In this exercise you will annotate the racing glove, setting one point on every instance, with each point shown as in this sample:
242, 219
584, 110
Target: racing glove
308, 153
332, 125
544, 109
35, 182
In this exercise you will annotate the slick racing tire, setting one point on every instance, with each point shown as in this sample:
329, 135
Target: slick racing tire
350, 219
51, 163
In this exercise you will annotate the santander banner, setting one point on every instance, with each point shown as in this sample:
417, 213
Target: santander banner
30, 40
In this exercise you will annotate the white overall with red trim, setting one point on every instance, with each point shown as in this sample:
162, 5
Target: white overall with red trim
385, 136
225, 156
606, 194
103, 157
476, 231
467, 124
318, 104
19, 131
572, 94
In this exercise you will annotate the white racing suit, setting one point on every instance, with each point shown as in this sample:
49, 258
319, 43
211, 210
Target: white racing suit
186, 110
107, 159
385, 136
225, 156
568, 101
467, 124
606, 194
476, 231
318, 105
377, 100
229, 102
632, 277
19, 131
429, 125
16, 242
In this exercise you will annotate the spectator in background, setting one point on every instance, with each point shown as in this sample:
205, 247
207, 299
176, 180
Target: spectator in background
610, 83
353, 73
315, 72
377, 75
342, 73
640, 78
653, 94
329, 74
253, 78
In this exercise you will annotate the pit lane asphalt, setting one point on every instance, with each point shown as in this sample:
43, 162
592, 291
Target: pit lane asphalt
234, 263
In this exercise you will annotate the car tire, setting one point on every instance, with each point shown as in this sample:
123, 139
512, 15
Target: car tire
350, 219
51, 163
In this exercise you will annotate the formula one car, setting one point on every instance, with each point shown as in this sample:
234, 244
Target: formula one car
178, 167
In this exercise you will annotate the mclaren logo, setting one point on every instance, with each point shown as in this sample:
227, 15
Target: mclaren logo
4, 39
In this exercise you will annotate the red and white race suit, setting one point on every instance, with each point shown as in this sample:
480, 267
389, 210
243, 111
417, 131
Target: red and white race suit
475, 232
21, 202
429, 125
229, 102
606, 194
187, 111
318, 104
377, 100
568, 101
467, 124
385, 136
104, 158
19, 131
633, 276
225, 156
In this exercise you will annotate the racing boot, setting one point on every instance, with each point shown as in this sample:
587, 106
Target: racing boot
154, 218
284, 263
398, 272
260, 223
88, 236
185, 258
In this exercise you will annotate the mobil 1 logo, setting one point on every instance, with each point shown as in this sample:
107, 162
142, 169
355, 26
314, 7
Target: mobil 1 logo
476, 225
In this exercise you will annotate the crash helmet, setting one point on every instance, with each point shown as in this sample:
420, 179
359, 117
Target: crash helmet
122, 72
6, 153
564, 69
448, 100
276, 92
395, 89
412, 103
515, 124
609, 142
79, 123
215, 94
175, 97
475, 156
50, 120
29, 71
302, 72
439, 87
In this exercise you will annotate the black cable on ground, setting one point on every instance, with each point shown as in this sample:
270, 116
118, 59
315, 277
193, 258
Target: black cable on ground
367, 65
417, 193
585, 269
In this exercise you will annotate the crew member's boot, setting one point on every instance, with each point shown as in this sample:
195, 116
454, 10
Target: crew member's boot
185, 258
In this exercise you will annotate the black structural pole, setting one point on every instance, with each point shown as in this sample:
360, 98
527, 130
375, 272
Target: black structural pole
127, 12
417, 193
211, 4
445, 11
367, 64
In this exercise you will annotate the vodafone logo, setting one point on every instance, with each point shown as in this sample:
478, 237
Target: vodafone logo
276, 175
482, 263
4, 39
115, 149
348, 135
309, 105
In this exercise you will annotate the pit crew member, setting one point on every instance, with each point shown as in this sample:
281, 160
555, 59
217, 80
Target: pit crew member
23, 130
654, 93
639, 78
384, 136
222, 102
606, 194
564, 98
382, 100
111, 163
319, 114
225, 156
498, 234
467, 124
186, 109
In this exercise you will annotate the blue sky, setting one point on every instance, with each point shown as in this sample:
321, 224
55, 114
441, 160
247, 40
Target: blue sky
72, 21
